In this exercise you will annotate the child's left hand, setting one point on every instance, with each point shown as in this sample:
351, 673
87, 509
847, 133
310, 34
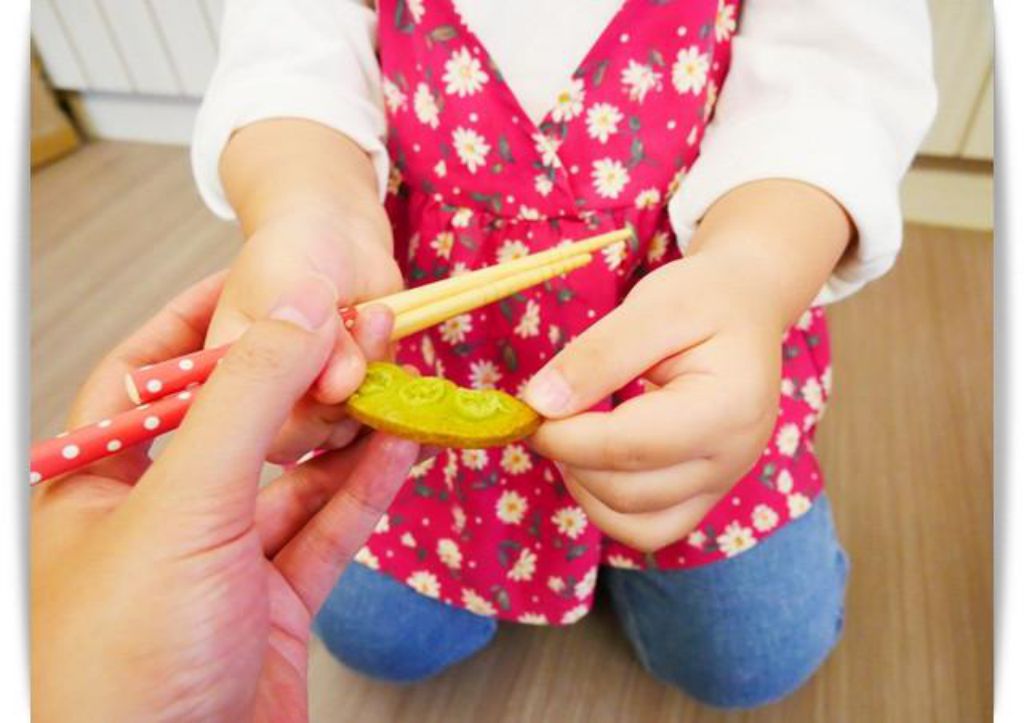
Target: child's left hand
708, 338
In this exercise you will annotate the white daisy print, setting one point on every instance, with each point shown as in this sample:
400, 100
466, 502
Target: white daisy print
615, 254
690, 71
511, 507
449, 553
585, 586
461, 218
826, 379
804, 322
454, 330
659, 246
573, 615
784, 482
570, 521
542, 184
528, 213
697, 538
421, 469
735, 539
425, 583
610, 177
788, 439
787, 388
764, 518
603, 121
474, 458
515, 459
477, 603
639, 79
408, 540
484, 374
529, 322
622, 562
533, 619
366, 558
547, 147
524, 567
648, 198
394, 98
798, 504
556, 584
458, 519
554, 335
443, 244
416, 9
511, 250
441, 169
725, 21
569, 102
425, 106
471, 148
427, 350
463, 74
383, 524
812, 394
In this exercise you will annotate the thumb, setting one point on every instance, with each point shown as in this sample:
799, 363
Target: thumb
210, 470
611, 353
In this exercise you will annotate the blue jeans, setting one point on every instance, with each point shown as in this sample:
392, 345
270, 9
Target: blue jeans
734, 634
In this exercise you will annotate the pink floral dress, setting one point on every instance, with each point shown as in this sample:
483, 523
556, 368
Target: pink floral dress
475, 182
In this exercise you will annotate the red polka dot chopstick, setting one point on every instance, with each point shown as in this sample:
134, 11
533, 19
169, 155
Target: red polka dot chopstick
86, 445
167, 388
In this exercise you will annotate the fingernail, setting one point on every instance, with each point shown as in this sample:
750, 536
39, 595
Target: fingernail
377, 321
548, 392
308, 305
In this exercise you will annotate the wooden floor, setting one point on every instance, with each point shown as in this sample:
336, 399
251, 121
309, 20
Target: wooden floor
907, 445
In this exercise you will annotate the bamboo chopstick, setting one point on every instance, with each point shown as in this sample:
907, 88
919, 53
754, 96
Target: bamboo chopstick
158, 380
80, 447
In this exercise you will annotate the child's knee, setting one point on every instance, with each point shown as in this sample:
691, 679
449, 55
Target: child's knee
733, 675
385, 630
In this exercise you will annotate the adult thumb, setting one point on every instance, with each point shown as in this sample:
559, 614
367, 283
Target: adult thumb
208, 476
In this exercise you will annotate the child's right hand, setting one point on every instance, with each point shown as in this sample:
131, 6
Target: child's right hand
351, 257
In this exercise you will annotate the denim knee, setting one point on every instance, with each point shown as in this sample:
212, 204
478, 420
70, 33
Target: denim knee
747, 631
385, 630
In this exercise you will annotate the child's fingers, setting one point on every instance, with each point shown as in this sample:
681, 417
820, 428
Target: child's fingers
313, 560
648, 531
312, 425
679, 422
344, 371
368, 341
650, 490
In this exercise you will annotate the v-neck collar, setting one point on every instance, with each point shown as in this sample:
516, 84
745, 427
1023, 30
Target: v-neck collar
546, 122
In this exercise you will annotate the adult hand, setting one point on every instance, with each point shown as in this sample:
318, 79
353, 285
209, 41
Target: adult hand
179, 589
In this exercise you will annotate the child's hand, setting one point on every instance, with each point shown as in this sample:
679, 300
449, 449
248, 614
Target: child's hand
352, 258
647, 472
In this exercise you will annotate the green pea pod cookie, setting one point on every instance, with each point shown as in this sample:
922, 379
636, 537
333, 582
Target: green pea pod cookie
434, 411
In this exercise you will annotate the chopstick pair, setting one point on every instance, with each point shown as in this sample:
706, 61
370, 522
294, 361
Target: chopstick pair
165, 390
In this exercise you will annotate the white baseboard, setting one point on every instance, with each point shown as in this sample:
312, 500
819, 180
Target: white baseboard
143, 118
957, 197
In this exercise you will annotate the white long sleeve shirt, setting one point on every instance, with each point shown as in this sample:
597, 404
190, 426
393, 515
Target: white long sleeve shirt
828, 92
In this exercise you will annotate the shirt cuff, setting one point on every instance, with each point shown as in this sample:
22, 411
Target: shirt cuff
824, 149
235, 105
